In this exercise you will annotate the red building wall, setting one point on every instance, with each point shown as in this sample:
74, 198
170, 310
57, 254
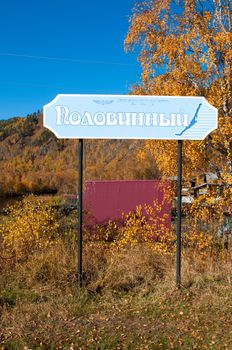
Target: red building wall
107, 200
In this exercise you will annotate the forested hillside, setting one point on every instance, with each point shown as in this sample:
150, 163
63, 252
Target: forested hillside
32, 159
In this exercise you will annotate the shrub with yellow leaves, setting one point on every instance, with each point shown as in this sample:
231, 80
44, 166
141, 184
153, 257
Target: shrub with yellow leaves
204, 220
105, 233
29, 226
147, 225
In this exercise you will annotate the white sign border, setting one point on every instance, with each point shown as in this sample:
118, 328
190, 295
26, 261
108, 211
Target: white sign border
127, 96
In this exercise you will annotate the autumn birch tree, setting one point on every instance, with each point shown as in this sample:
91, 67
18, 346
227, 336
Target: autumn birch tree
185, 49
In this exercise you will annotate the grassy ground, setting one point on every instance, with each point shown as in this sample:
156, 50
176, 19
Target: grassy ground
129, 301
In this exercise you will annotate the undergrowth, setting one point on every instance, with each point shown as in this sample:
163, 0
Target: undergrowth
128, 300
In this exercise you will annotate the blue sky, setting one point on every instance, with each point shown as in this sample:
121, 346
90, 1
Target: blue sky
56, 46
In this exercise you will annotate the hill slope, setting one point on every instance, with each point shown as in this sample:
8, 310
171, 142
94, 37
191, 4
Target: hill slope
32, 159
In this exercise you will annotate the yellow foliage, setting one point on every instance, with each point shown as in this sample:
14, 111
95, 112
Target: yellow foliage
30, 226
146, 225
185, 49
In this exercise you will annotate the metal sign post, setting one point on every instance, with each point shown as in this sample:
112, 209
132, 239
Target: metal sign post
130, 117
178, 229
80, 211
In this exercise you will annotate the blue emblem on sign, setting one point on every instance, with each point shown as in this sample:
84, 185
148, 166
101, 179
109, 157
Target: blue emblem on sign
192, 122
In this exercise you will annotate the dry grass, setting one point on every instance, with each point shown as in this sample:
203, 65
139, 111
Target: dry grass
129, 301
